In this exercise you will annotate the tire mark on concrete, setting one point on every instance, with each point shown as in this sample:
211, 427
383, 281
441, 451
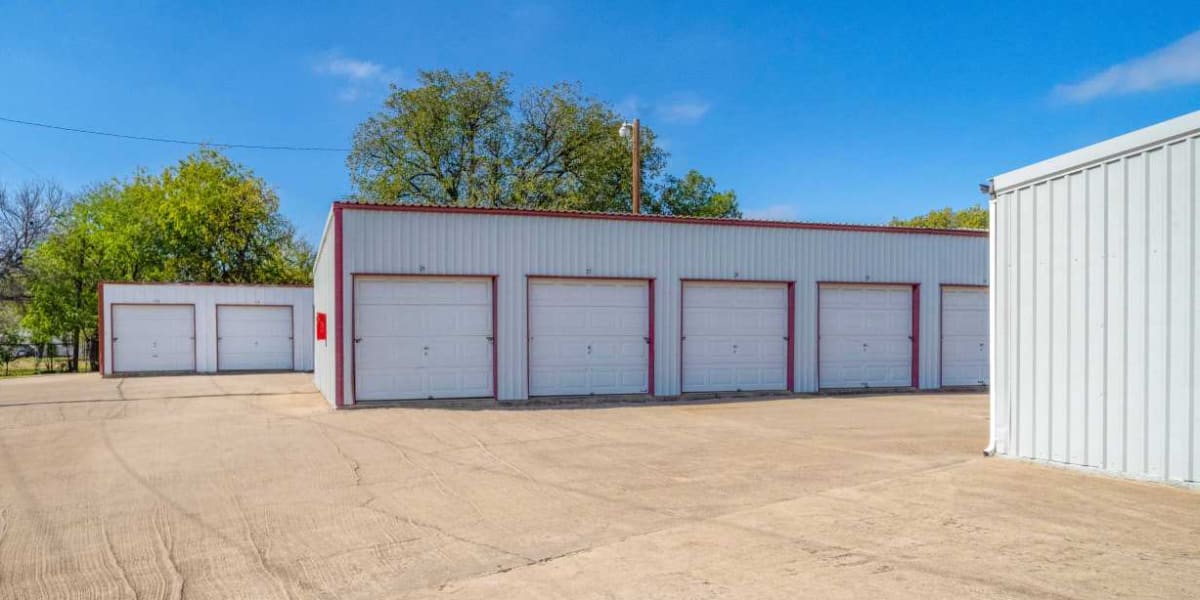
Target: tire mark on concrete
166, 553
111, 553
259, 554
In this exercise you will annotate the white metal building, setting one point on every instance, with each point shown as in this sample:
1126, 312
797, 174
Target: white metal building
434, 302
1096, 341
204, 328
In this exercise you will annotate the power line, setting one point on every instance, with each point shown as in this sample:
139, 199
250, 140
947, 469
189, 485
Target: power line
175, 141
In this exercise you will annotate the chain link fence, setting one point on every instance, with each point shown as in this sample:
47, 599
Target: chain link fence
33, 359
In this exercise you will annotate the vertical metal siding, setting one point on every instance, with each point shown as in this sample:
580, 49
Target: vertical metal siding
1096, 348
206, 298
324, 359
512, 247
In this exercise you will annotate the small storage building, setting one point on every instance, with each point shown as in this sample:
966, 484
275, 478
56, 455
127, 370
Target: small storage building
1096, 342
204, 328
425, 302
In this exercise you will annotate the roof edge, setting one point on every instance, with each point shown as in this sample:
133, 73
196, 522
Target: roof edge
106, 282
1128, 143
609, 216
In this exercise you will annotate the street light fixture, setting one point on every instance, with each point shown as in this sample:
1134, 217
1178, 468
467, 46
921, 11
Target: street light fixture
632, 131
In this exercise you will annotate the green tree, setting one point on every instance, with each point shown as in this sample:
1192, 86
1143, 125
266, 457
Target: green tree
695, 195
459, 139
205, 219
972, 217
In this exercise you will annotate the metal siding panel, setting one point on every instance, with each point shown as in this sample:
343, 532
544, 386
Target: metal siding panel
1075, 305
1029, 279
512, 247
1135, 383
1116, 322
1094, 364
1157, 306
206, 298
1059, 231
1043, 332
1179, 312
1194, 407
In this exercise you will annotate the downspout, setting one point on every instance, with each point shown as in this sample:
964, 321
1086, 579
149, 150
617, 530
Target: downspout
989, 188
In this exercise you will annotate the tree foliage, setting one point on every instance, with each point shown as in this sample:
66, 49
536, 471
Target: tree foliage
972, 217
460, 139
204, 219
26, 216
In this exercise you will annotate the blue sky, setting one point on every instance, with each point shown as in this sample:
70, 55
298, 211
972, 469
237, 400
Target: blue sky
849, 112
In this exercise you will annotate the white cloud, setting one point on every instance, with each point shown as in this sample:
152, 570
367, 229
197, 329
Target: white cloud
686, 109
775, 212
358, 76
1175, 65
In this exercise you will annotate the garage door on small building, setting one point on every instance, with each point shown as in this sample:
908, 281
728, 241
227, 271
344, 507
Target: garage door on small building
422, 337
153, 338
735, 336
254, 338
964, 336
865, 336
588, 336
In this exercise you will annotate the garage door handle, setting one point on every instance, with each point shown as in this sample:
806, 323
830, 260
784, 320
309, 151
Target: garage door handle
589, 349
647, 338
491, 338
357, 340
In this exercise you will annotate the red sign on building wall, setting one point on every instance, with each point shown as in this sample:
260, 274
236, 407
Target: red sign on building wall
320, 327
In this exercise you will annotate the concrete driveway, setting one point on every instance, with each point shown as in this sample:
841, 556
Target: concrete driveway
250, 487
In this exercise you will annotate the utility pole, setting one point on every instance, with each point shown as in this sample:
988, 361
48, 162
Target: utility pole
637, 166
634, 131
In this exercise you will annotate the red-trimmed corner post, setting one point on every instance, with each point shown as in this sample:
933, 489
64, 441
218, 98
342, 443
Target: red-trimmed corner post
916, 336
339, 311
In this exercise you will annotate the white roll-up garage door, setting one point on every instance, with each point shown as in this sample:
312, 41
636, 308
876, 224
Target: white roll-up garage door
422, 337
254, 338
865, 336
588, 337
735, 336
153, 338
964, 336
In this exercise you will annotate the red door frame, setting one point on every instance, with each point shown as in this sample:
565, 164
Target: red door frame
354, 321
650, 323
791, 321
915, 370
942, 325
217, 330
111, 316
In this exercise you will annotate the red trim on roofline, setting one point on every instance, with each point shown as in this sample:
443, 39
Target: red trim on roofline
562, 214
206, 284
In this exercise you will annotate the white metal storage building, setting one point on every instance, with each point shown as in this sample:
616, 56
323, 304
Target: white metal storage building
443, 302
204, 328
1096, 341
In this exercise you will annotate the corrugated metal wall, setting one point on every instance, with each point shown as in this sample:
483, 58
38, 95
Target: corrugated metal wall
1097, 342
324, 364
513, 247
206, 298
